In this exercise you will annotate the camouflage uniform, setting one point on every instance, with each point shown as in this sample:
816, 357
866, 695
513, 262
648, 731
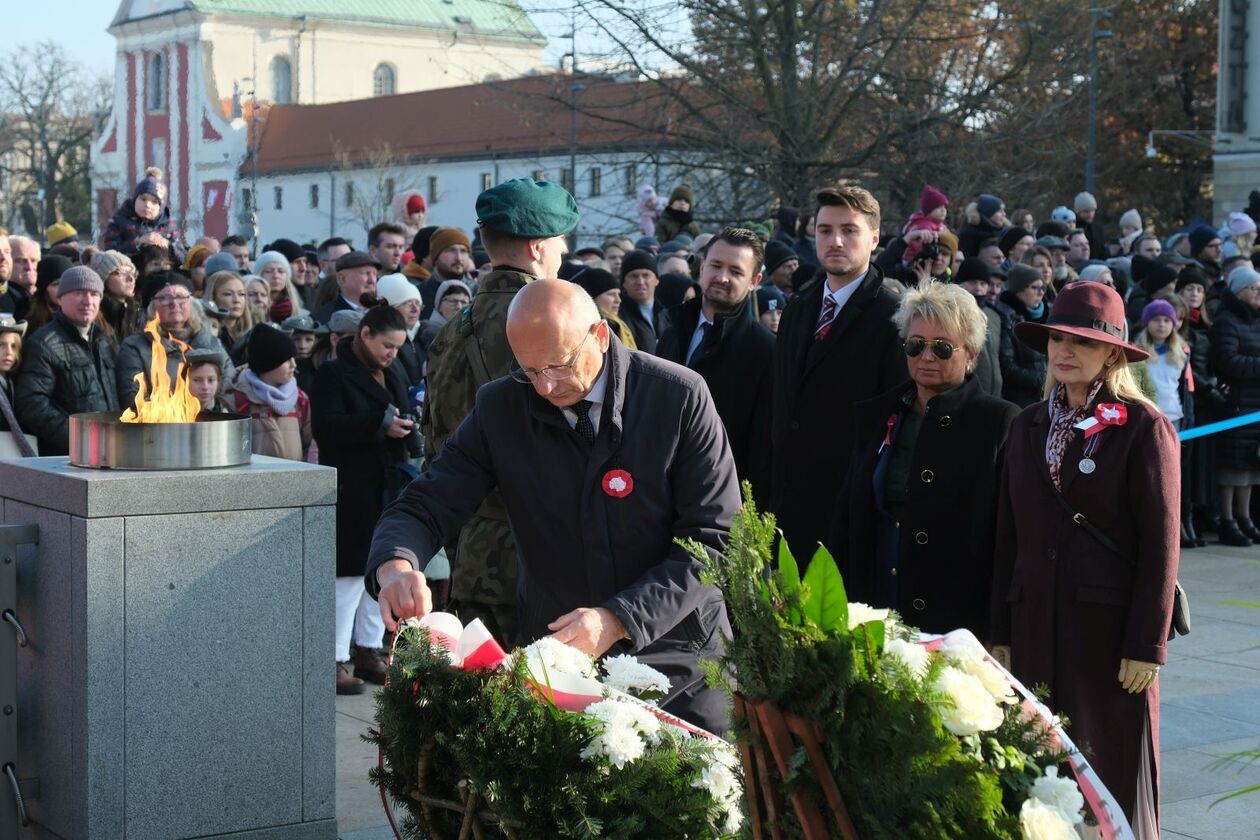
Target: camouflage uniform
483, 574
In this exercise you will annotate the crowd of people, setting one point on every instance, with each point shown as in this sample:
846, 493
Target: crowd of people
1032, 373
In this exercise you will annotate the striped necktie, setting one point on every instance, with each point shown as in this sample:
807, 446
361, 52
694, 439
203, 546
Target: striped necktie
824, 320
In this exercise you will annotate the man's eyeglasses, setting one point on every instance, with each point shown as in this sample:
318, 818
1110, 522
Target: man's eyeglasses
941, 348
554, 373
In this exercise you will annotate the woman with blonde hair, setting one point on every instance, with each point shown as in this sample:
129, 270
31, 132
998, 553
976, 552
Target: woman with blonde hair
226, 290
1087, 543
285, 302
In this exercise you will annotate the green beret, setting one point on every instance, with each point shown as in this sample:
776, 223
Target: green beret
527, 208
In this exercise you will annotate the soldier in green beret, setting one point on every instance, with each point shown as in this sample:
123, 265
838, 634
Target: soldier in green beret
523, 226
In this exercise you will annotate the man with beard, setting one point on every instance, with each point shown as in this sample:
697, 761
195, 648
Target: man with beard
1078, 250
677, 218
14, 299
718, 336
837, 345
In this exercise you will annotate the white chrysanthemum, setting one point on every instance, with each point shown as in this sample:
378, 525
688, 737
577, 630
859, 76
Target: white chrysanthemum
972, 708
722, 782
1059, 793
1039, 821
626, 729
620, 745
548, 656
860, 613
913, 656
994, 681
630, 675
961, 646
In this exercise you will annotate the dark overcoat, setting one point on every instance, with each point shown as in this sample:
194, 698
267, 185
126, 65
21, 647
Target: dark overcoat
736, 360
580, 546
1235, 356
1070, 608
942, 566
645, 334
816, 385
350, 414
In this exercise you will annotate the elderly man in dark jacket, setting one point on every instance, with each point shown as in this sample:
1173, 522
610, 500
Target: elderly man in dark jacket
604, 457
837, 346
718, 337
645, 315
67, 365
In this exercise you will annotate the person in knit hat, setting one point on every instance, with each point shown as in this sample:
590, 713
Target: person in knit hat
119, 306
1242, 229
451, 253
61, 233
930, 217
266, 390
1235, 356
991, 221
1065, 215
1205, 248
1086, 208
640, 309
47, 286
605, 289
409, 210
1023, 368
781, 264
677, 218
277, 270
144, 219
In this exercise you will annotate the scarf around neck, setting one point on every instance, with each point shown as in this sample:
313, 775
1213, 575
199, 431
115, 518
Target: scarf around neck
281, 399
1063, 419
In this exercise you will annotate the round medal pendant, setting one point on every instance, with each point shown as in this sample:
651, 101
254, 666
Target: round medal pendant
1087, 466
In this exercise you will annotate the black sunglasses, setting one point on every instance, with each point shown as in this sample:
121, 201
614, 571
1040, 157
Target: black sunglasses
941, 348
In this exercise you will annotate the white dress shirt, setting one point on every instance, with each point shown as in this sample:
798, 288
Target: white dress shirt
596, 399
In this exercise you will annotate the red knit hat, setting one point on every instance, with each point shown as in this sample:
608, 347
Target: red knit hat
931, 198
415, 204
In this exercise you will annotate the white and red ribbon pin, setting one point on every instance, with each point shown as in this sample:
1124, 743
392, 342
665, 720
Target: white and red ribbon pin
618, 483
1105, 414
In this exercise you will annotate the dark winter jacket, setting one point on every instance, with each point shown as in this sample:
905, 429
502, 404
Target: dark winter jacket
410, 360
736, 359
934, 566
672, 222
582, 544
123, 316
816, 385
350, 414
15, 300
126, 227
1235, 357
63, 374
1023, 368
1097, 242
645, 335
970, 236
135, 355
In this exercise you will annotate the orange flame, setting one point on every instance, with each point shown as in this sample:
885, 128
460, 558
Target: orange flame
169, 401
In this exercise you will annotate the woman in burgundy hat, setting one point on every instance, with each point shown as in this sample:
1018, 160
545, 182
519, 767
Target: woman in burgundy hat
1087, 544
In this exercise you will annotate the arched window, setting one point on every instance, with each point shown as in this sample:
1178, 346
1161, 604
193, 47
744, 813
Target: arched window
383, 81
157, 82
281, 80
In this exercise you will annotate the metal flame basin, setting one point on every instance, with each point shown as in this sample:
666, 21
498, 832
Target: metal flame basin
101, 441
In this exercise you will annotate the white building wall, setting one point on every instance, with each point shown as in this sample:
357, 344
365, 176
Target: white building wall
1236, 163
335, 63
458, 183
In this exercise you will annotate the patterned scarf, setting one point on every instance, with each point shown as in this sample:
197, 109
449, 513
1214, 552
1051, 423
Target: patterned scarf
1063, 419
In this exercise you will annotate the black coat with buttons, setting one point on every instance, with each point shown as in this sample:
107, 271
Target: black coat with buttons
939, 560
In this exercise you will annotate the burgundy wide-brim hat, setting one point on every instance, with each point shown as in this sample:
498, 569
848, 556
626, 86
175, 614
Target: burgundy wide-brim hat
1085, 309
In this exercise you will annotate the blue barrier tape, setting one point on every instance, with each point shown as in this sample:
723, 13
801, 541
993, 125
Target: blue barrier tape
1222, 426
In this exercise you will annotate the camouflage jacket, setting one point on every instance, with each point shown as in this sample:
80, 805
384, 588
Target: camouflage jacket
485, 566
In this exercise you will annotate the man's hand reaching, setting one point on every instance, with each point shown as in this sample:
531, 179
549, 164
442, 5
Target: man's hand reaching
404, 593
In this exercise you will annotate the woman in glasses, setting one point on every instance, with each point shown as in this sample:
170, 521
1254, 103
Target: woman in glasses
915, 528
168, 296
1023, 368
1087, 544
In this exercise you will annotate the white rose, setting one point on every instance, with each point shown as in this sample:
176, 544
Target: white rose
913, 656
862, 613
961, 646
972, 708
993, 680
1039, 821
1059, 793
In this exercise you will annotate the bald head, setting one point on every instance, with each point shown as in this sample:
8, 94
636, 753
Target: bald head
558, 338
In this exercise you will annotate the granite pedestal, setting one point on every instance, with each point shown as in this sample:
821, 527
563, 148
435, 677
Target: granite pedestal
178, 678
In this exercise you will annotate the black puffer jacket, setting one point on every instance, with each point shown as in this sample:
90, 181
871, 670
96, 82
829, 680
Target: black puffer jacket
1023, 368
970, 236
63, 374
1235, 356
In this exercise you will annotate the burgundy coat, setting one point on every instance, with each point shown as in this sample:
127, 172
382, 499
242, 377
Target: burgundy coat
1071, 609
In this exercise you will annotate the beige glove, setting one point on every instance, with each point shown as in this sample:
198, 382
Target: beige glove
1137, 676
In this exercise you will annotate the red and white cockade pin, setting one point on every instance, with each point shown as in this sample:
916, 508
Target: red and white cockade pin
1105, 414
618, 483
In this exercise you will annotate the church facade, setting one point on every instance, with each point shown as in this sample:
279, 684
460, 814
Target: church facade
194, 80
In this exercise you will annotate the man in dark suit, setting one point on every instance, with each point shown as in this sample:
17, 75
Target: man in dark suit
640, 309
836, 346
605, 458
718, 336
356, 277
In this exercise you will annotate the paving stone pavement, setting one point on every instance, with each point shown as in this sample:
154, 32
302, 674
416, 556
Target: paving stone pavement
1210, 708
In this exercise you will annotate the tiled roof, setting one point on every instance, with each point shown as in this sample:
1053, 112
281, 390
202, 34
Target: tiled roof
523, 116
